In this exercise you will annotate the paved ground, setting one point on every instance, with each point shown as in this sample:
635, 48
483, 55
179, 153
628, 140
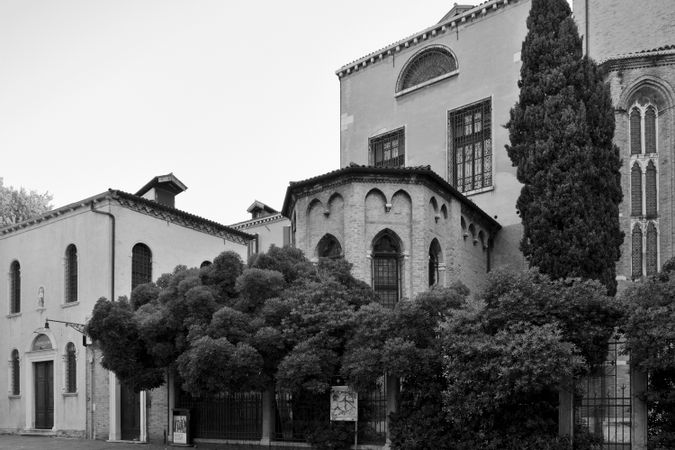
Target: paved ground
14, 442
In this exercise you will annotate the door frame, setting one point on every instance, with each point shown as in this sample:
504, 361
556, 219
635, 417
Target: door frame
115, 398
31, 357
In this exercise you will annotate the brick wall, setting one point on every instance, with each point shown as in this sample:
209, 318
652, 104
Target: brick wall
357, 212
157, 414
645, 80
621, 26
101, 394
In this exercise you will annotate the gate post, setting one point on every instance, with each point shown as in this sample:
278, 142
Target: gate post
639, 410
267, 416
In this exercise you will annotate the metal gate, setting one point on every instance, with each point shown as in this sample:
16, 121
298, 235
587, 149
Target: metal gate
605, 404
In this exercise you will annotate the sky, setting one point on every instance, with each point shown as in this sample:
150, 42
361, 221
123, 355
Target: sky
236, 98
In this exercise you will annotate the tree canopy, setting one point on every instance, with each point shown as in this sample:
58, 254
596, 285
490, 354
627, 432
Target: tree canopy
227, 327
561, 132
17, 205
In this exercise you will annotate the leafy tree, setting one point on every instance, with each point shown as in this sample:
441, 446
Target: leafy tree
561, 133
650, 338
228, 328
17, 205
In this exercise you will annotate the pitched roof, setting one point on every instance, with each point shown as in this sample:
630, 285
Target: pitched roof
141, 205
423, 172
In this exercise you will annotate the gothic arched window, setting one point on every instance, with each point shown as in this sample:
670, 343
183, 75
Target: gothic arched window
141, 265
636, 252
329, 247
650, 130
650, 190
386, 277
636, 190
635, 132
434, 262
652, 250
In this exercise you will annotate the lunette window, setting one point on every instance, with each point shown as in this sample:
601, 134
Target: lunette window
430, 64
470, 146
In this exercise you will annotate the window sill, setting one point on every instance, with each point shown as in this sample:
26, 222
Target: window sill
13, 315
14, 396
478, 191
426, 83
70, 305
70, 394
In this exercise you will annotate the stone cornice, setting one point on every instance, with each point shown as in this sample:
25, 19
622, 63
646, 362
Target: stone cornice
639, 60
439, 28
377, 175
255, 222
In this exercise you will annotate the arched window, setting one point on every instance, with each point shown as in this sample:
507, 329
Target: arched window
635, 132
433, 64
636, 190
141, 265
15, 366
204, 264
71, 368
636, 252
652, 251
329, 247
650, 130
650, 191
71, 274
386, 278
434, 262
15, 287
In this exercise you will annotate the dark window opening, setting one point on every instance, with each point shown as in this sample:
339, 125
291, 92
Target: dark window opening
386, 277
16, 373
387, 150
141, 265
71, 368
71, 274
470, 131
15, 287
329, 247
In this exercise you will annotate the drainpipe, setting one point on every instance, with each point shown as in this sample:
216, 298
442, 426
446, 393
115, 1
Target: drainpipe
112, 250
112, 298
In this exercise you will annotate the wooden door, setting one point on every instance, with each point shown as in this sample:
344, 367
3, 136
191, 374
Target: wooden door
44, 394
130, 414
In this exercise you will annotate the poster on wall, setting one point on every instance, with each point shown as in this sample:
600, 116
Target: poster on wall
180, 429
344, 404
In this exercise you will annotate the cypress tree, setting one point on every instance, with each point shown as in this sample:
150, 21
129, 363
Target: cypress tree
561, 132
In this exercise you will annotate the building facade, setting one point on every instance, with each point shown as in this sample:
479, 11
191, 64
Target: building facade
58, 265
268, 225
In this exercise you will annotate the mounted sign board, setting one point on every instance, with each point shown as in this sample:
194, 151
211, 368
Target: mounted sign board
344, 404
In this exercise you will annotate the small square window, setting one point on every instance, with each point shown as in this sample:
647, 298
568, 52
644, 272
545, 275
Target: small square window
387, 150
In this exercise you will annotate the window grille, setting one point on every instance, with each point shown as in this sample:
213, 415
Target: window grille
16, 373
387, 150
635, 132
71, 274
71, 368
15, 287
429, 64
386, 270
650, 181
636, 190
470, 131
141, 265
636, 252
652, 251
